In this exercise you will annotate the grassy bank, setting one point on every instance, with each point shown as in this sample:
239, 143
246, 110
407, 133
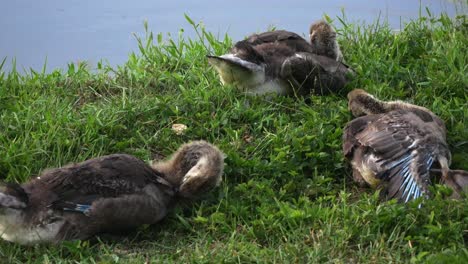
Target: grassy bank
287, 194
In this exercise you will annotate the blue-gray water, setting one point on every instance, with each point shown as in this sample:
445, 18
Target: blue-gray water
66, 31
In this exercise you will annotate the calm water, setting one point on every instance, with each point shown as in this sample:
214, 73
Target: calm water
66, 31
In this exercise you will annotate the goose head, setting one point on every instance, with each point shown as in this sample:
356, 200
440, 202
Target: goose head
195, 168
362, 103
323, 40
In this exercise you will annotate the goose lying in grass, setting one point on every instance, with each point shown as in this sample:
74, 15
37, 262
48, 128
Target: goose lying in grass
284, 63
395, 145
105, 194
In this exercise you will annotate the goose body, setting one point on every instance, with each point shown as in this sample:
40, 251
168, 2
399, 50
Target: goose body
284, 63
394, 146
290, 39
105, 194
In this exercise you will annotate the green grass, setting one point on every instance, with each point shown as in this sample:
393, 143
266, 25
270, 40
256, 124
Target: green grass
287, 194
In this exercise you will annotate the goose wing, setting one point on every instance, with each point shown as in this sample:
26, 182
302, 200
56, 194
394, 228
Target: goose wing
232, 64
328, 65
293, 40
315, 72
353, 128
272, 36
403, 151
76, 186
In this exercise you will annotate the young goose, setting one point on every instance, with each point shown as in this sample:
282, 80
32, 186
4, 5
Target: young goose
284, 63
323, 40
394, 146
110, 193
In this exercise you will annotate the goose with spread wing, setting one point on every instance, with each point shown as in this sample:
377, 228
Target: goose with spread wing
394, 146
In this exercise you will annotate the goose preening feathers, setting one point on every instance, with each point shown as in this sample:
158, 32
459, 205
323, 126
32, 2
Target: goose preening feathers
105, 194
284, 63
394, 145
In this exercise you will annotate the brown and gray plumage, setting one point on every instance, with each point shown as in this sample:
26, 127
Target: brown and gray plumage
284, 63
323, 40
105, 194
394, 146
457, 180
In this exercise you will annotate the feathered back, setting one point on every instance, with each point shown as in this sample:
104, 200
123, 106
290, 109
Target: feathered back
281, 37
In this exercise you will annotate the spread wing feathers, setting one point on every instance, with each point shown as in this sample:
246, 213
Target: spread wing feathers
401, 155
350, 131
408, 177
107, 176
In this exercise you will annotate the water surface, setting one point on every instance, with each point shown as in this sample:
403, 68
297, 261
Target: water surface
88, 30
